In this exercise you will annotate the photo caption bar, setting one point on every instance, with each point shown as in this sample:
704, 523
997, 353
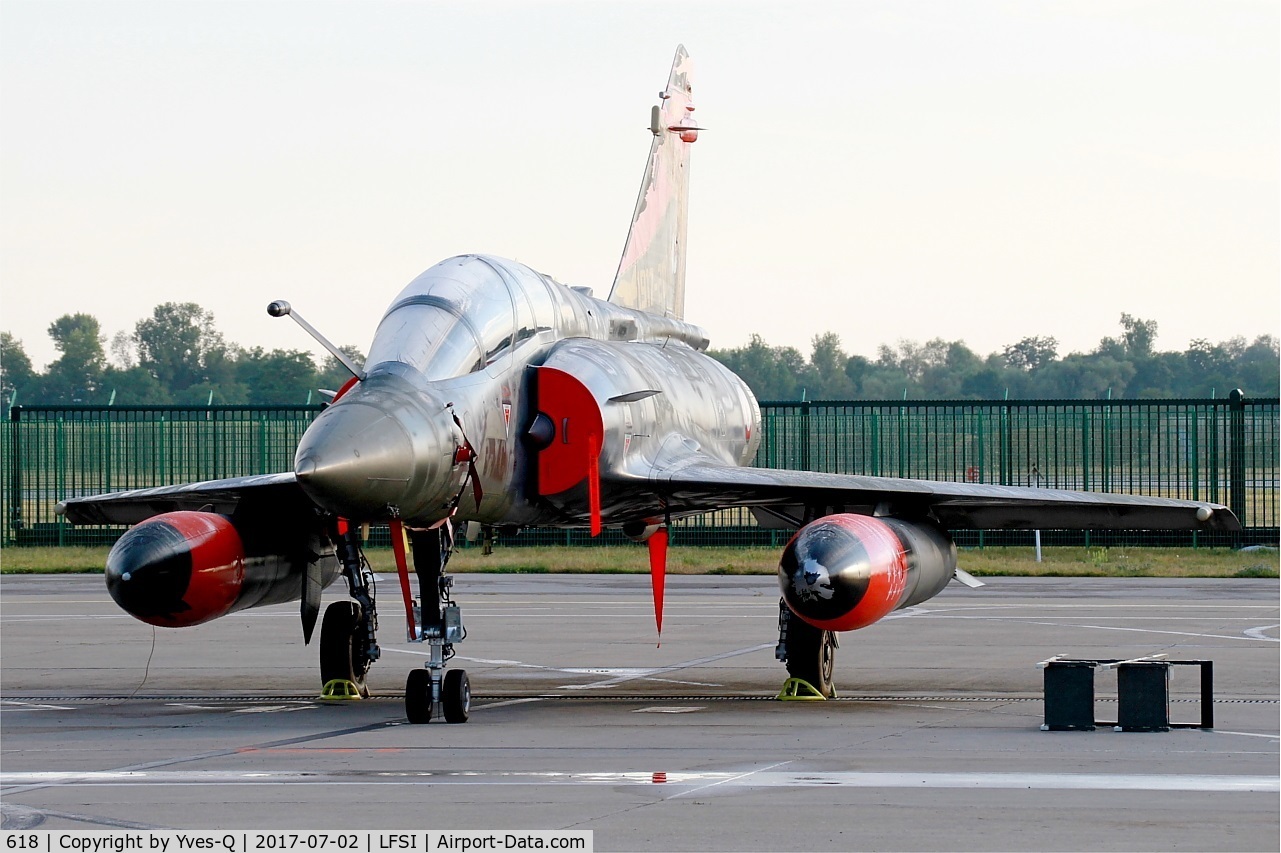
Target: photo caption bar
263, 841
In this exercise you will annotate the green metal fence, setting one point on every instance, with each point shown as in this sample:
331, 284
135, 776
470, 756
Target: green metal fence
1225, 451
54, 453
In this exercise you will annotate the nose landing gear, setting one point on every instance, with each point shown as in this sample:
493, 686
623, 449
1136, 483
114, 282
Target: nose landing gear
431, 692
348, 634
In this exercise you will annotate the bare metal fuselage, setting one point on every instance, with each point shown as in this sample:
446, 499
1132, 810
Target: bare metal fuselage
452, 373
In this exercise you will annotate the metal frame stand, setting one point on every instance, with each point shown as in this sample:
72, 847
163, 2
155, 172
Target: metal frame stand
1143, 695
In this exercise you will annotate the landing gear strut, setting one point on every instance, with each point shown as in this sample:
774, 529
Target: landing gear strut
431, 691
348, 634
809, 652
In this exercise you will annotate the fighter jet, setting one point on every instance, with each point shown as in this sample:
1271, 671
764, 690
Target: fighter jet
493, 394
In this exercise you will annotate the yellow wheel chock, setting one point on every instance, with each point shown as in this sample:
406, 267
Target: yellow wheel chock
340, 690
800, 690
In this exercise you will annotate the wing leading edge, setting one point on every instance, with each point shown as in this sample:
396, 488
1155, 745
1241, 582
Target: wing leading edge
699, 482
278, 492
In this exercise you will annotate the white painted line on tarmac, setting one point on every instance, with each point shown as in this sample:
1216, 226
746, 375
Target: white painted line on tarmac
58, 617
939, 607
624, 673
663, 670
906, 612
1126, 617
621, 674
766, 777
507, 702
1257, 633
670, 709
1116, 628
732, 781
274, 709
1246, 734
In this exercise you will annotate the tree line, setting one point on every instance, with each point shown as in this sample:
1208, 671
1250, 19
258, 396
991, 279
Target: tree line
1128, 365
174, 357
177, 357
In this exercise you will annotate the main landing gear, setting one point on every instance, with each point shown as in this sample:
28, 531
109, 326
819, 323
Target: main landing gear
348, 634
810, 655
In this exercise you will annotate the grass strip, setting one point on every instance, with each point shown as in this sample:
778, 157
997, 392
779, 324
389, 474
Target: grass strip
1002, 561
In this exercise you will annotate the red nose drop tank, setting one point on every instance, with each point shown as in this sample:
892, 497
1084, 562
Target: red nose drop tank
847, 571
177, 569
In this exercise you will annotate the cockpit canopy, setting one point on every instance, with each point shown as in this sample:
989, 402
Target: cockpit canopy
459, 317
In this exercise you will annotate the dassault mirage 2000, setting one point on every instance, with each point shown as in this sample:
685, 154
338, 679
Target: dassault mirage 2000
494, 394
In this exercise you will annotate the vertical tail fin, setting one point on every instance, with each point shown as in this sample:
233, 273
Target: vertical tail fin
651, 274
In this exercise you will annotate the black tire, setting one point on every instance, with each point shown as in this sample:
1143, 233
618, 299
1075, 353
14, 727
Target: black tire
342, 652
457, 696
418, 696
811, 654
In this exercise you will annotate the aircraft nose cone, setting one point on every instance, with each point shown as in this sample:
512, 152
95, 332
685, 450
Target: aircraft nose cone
356, 460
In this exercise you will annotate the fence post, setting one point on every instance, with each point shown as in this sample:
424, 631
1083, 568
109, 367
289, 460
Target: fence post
60, 472
1213, 479
1194, 451
982, 442
15, 498
1006, 440
211, 421
1236, 454
805, 436
262, 442
1105, 471
876, 442
1085, 448
902, 441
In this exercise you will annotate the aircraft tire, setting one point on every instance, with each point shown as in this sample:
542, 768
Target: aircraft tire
418, 696
811, 654
457, 696
340, 648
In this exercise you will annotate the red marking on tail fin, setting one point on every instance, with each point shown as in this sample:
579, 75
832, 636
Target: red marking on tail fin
658, 572
651, 273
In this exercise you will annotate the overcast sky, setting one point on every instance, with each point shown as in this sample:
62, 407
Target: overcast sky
885, 170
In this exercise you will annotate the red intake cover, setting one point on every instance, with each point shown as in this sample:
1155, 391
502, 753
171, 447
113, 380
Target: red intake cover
569, 404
